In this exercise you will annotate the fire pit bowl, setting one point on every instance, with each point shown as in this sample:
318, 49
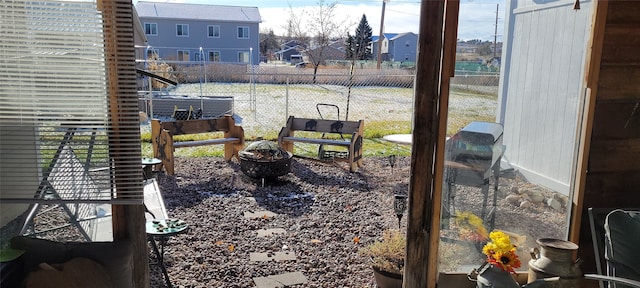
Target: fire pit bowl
264, 159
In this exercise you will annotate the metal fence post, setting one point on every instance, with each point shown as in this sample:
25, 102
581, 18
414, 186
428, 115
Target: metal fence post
286, 104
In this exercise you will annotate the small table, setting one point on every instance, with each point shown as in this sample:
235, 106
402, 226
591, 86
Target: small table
147, 166
161, 229
406, 139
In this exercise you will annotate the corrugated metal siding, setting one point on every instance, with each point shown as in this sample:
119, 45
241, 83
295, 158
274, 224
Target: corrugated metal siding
542, 88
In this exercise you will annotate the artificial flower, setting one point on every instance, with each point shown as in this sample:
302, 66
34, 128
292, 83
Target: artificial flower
471, 224
500, 252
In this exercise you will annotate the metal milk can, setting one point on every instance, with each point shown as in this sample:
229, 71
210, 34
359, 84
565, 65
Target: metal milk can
489, 276
554, 258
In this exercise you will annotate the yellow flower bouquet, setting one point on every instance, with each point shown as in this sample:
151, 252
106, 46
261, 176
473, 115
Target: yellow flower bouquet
500, 252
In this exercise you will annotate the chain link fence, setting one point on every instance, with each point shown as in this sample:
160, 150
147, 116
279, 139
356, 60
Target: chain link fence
262, 97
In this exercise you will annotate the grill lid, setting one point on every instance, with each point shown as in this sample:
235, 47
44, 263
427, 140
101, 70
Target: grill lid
483, 133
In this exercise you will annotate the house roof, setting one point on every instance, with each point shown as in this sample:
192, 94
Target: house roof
198, 12
286, 50
386, 35
396, 36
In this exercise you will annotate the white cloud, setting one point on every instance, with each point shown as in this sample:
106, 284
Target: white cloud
395, 22
477, 20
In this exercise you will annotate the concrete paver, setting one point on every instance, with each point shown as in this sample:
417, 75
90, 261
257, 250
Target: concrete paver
270, 232
281, 280
259, 214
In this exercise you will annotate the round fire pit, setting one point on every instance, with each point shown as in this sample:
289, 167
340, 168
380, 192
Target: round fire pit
264, 159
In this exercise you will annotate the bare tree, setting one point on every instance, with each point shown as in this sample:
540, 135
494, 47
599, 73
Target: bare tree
268, 43
321, 26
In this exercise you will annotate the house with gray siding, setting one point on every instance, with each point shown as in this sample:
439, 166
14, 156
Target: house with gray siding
397, 47
196, 32
291, 47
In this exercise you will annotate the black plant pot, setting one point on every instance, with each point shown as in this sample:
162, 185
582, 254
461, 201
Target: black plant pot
386, 279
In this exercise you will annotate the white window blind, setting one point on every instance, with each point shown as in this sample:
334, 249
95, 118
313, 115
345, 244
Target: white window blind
59, 141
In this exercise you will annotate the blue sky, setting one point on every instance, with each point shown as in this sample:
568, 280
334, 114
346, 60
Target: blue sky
477, 17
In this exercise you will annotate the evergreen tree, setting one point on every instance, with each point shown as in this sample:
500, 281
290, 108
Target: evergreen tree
362, 40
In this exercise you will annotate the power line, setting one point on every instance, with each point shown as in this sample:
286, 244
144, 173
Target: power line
402, 12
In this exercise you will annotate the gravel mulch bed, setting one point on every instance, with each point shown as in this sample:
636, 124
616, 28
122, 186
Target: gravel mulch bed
323, 207
328, 214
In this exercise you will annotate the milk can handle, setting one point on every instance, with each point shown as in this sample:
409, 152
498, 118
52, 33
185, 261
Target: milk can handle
535, 253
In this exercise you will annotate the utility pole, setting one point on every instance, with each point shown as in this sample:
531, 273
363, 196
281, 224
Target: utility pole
384, 3
495, 33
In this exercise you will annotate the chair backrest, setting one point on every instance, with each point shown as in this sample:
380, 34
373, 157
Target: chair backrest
622, 244
596, 222
69, 179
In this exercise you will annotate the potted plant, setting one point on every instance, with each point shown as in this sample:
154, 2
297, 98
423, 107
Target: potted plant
387, 259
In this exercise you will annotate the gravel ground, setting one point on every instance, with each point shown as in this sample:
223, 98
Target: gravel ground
328, 214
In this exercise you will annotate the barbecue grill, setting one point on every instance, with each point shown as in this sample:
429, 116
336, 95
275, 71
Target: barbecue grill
472, 156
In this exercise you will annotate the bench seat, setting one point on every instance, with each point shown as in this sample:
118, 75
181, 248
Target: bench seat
206, 142
318, 141
164, 146
351, 130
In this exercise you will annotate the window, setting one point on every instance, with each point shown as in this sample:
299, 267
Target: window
183, 55
214, 56
243, 32
214, 31
243, 57
55, 123
182, 30
523, 178
151, 29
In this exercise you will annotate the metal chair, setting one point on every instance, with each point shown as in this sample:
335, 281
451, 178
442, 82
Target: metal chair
620, 282
67, 178
616, 240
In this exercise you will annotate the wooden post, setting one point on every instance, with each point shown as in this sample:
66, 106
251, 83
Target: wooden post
592, 76
128, 221
425, 134
448, 71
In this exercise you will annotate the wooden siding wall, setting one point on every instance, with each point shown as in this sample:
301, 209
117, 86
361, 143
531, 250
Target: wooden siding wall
613, 172
542, 87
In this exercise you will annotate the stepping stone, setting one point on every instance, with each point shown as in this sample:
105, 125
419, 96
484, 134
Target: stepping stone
270, 232
281, 280
277, 256
259, 214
